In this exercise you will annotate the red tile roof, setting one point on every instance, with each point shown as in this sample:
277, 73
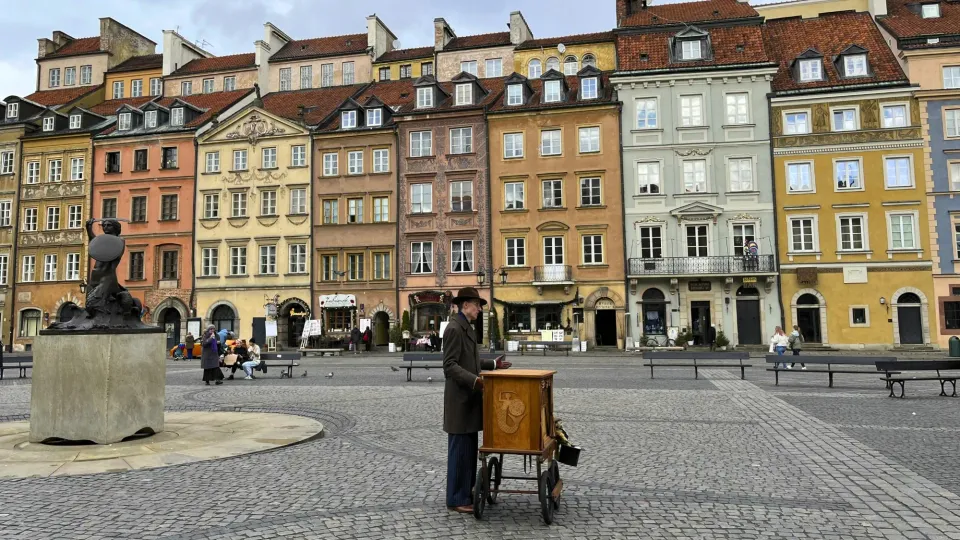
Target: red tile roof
393, 94
319, 102
109, 107
596, 37
51, 98
76, 47
211, 104
493, 87
478, 41
137, 63
534, 101
829, 34
324, 46
904, 23
217, 63
687, 12
725, 42
406, 54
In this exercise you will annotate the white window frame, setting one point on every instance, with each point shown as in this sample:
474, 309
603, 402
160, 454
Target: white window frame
735, 169
298, 155
76, 120
457, 190
176, 116
210, 262
326, 75
737, 106
836, 170
229, 83
212, 162
150, 119
268, 157
688, 51
906, 114
813, 183
49, 123
649, 121
647, 183
298, 201
374, 117
552, 91
53, 80
50, 263
886, 178
268, 260
864, 232
211, 205
268, 202
208, 85
594, 185
186, 88
86, 74
6, 162
589, 88
915, 216
691, 110
33, 172
464, 94
467, 266
595, 258
691, 177
930, 11
156, 86
13, 110
355, 162
534, 69
52, 221
951, 117
421, 194
425, 97
951, 77
556, 253
286, 79
519, 247
421, 143
28, 268
238, 260
6, 213
811, 69
512, 145
72, 272
806, 122
297, 259
70, 76
348, 119
553, 189
469, 66
509, 197
514, 94
381, 209
953, 175
124, 121
815, 232
381, 160
844, 109
461, 140
306, 76
425, 259
77, 168
347, 76
74, 216
547, 146
493, 67
240, 162
331, 164
593, 135
54, 170
238, 204
853, 62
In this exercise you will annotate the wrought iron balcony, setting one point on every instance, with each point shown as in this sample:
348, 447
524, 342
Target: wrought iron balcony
721, 266
558, 274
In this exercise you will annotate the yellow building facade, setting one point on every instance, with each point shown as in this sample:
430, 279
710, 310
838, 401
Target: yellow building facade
811, 8
129, 80
404, 64
577, 54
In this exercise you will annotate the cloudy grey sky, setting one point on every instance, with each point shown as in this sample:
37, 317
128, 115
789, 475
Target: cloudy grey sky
231, 26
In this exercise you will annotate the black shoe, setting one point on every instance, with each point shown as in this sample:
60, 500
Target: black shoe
230, 378
219, 383
208, 383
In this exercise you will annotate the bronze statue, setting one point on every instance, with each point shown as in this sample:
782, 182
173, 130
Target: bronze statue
108, 305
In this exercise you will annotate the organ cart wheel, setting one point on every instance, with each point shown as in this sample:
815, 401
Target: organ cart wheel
495, 475
554, 471
545, 488
481, 489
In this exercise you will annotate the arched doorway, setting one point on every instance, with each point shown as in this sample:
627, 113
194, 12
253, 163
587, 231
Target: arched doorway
170, 321
381, 328
909, 314
605, 323
291, 318
654, 312
224, 318
748, 316
67, 312
808, 317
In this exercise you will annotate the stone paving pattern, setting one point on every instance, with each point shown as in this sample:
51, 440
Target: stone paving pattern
670, 457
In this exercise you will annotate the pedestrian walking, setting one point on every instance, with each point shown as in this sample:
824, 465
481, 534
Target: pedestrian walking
189, 342
355, 340
796, 344
778, 344
210, 356
367, 338
463, 398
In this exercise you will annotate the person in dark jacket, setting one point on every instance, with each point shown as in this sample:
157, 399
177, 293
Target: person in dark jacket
210, 357
367, 338
712, 337
463, 398
189, 342
240, 349
355, 339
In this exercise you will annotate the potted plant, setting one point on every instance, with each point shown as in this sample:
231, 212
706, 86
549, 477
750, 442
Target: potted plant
685, 339
722, 341
396, 337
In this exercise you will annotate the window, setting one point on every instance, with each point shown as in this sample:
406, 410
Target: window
424, 97
426, 68
354, 210
951, 77
176, 116
6, 163
646, 113
168, 158
930, 11
801, 234
796, 123
298, 156
54, 170
213, 162
512, 145
406, 71
330, 165
268, 259
855, 65
109, 208
124, 123
811, 70
50, 267
553, 194
49, 123
494, 67
516, 252
209, 262
469, 66
136, 265
695, 176
13, 110
286, 79
331, 212
553, 250
421, 198
268, 203
346, 73
211, 206
461, 256
461, 196
553, 63
74, 216
847, 174
534, 69
55, 78
73, 267
951, 315
851, 233
550, 142
355, 162
155, 86
799, 177
306, 76
298, 201
381, 160
384, 74
651, 242
76, 121
421, 143
326, 76
374, 117
514, 196
589, 139
381, 209
169, 207
844, 119
648, 177
902, 231
954, 176
381, 266
86, 74
589, 60
53, 218
464, 94
70, 76
30, 322
229, 84
738, 111
549, 316
33, 172
348, 119
894, 116
952, 122
740, 172
208, 86
697, 241
239, 160
570, 65
330, 266
138, 209
140, 160
590, 192
297, 263
150, 119
238, 261
186, 88
238, 208
588, 88
28, 270
421, 257
461, 140
898, 172
6, 213
551, 91
514, 94
169, 265
269, 158
593, 249
690, 49
691, 110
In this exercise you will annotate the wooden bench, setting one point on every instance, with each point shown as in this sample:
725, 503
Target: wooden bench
895, 377
19, 362
286, 361
829, 361
421, 360
322, 352
566, 346
705, 359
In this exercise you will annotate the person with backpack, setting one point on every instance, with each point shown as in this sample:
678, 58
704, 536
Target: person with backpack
796, 344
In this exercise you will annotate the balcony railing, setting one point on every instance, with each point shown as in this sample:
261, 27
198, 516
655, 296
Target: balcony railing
724, 265
553, 273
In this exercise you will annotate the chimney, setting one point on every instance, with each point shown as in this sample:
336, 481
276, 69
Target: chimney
877, 7
519, 29
61, 38
45, 47
379, 38
442, 34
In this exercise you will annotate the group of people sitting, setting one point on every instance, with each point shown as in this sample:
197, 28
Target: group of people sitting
239, 354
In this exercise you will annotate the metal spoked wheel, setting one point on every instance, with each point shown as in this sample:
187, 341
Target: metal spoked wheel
554, 471
495, 469
481, 490
546, 499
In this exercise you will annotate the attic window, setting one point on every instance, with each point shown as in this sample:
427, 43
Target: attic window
515, 94
424, 97
125, 121
551, 91
13, 110
588, 88
176, 116
348, 119
855, 65
48, 123
644, 57
811, 70
691, 49
75, 121
464, 94
151, 119
374, 117
930, 11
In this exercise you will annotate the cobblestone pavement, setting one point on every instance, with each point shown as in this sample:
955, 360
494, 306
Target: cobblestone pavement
670, 457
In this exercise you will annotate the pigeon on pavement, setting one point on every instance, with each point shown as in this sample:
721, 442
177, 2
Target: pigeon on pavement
329, 375
394, 368
304, 374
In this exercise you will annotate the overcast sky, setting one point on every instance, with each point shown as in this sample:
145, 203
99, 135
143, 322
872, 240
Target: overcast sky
231, 26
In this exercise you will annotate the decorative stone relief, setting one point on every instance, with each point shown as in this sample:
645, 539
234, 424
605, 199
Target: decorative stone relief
51, 237
255, 128
693, 152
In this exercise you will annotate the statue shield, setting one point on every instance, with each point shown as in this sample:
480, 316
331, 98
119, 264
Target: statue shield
106, 248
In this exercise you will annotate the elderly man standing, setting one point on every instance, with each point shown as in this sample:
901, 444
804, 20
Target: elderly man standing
463, 398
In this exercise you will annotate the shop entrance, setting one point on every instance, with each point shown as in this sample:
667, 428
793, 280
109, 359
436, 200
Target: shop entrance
700, 321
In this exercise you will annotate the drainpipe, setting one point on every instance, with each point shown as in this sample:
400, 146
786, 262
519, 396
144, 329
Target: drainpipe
489, 265
12, 265
396, 228
312, 146
193, 231
623, 218
776, 216
93, 167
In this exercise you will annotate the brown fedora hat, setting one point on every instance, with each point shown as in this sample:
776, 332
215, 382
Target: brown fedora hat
468, 293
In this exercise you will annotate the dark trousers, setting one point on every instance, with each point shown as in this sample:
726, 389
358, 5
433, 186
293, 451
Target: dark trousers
796, 352
461, 468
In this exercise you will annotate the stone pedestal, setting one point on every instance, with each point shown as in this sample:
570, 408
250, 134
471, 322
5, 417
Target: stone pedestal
100, 387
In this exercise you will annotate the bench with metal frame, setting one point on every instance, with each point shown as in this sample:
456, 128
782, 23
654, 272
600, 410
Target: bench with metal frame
828, 361
920, 365
704, 359
285, 360
565, 346
19, 362
322, 352
425, 360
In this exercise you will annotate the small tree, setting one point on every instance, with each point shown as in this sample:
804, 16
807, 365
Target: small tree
494, 329
405, 321
396, 335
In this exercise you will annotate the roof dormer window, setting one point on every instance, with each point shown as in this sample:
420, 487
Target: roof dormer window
13, 110
348, 119
75, 120
176, 116
930, 11
855, 65
811, 70
424, 97
374, 117
551, 91
150, 119
691, 49
126, 120
464, 94
588, 88
48, 123
515, 94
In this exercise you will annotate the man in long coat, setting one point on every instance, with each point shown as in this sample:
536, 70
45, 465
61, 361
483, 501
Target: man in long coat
463, 398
